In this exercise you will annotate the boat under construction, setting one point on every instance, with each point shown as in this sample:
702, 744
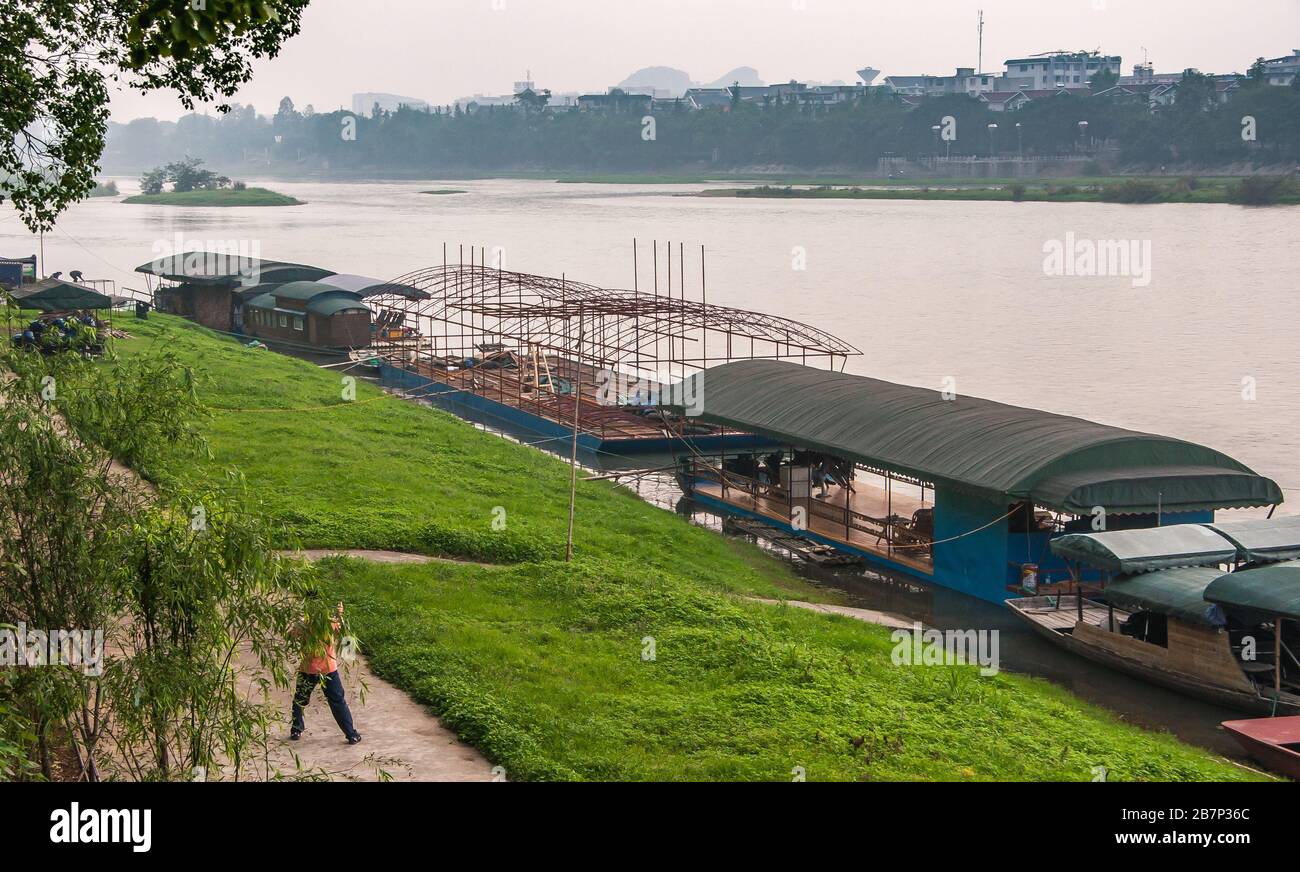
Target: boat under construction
555, 357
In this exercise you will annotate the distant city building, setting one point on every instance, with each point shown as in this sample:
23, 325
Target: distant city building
1282, 71
364, 104
566, 100
1070, 70
708, 98
616, 100
1062, 69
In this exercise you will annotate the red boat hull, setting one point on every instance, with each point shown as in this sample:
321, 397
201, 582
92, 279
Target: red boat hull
1265, 739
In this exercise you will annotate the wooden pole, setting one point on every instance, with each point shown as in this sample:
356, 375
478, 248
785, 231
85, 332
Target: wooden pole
1277, 656
573, 456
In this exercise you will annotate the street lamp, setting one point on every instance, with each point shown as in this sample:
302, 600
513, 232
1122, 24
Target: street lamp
936, 128
1083, 134
1020, 140
993, 132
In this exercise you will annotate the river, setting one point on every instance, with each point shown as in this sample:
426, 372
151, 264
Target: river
1200, 346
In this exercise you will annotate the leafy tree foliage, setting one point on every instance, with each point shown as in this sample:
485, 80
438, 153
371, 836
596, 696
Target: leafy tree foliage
191, 601
59, 57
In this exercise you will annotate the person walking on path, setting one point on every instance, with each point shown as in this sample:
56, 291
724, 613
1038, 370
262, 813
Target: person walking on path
320, 667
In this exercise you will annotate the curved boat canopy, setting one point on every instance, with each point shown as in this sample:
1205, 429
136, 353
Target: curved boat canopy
1178, 593
1059, 462
1129, 552
1263, 541
316, 297
1263, 593
221, 268
365, 286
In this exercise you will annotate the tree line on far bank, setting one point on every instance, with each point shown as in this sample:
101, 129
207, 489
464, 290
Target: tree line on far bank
1261, 125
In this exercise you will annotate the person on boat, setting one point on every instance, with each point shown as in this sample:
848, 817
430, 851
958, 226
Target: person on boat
821, 476
320, 668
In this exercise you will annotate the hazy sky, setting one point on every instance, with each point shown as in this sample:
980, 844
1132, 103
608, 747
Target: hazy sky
439, 50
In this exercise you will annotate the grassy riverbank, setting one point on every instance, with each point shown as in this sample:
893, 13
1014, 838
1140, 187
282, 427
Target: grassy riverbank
385, 473
542, 664
543, 667
1259, 191
217, 198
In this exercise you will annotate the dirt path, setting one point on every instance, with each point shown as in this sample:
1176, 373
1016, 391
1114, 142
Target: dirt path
870, 616
310, 554
399, 737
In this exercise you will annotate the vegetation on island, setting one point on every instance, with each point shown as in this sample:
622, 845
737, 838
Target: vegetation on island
104, 189
643, 658
192, 185
58, 59
1260, 190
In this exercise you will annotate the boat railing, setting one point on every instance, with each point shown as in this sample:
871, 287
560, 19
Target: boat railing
893, 533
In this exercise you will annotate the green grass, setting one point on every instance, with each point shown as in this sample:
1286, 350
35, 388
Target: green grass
539, 663
390, 474
445, 191
542, 667
221, 197
1136, 191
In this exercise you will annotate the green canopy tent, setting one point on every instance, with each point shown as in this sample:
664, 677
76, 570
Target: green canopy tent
1263, 593
1177, 593
1263, 540
57, 295
228, 268
1129, 552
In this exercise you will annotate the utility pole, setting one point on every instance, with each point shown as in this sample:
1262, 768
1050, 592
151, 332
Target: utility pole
980, 65
573, 455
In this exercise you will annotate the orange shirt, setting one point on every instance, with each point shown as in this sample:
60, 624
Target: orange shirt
314, 662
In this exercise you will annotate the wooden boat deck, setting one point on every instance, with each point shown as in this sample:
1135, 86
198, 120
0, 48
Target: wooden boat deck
510, 388
868, 529
1061, 613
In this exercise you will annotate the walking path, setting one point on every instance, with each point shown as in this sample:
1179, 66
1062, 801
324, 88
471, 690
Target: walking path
870, 616
400, 738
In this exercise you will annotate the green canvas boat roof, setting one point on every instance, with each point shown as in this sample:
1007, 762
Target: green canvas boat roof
1251, 540
1263, 593
1129, 552
265, 301
309, 291
1263, 540
1059, 462
320, 299
220, 268
252, 292
57, 295
1178, 593
331, 305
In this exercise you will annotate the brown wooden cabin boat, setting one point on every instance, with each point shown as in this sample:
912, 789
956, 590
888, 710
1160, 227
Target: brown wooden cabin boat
1274, 742
1228, 637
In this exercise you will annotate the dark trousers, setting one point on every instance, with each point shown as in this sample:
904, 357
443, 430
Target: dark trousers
332, 685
